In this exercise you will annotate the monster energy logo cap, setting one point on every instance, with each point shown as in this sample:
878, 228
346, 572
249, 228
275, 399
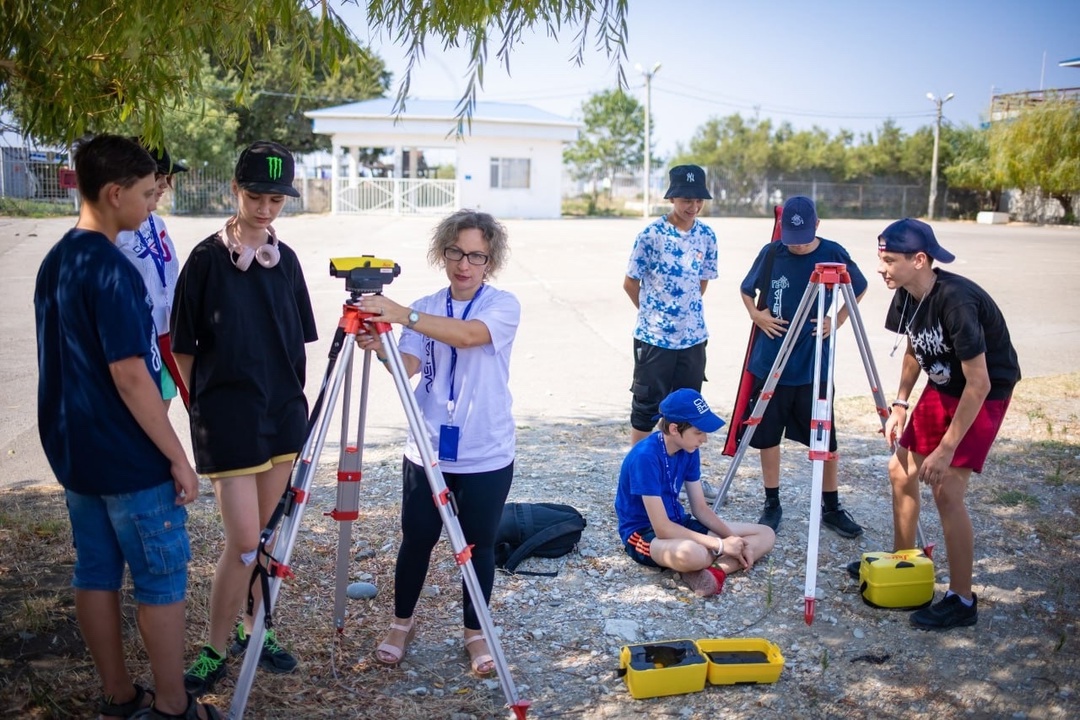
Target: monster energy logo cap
266, 167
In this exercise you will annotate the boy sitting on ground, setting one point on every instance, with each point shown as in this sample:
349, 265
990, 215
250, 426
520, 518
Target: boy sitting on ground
654, 527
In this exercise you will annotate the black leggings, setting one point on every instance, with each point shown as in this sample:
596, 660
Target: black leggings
480, 498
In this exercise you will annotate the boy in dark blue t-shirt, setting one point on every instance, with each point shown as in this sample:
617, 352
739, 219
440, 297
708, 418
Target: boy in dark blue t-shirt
790, 410
654, 528
107, 437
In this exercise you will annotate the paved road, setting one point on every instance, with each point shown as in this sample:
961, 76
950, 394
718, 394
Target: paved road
572, 358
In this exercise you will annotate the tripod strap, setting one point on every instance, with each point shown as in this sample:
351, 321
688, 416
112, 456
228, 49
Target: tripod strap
260, 574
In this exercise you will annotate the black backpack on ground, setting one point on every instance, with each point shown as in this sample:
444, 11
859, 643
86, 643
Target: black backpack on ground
547, 530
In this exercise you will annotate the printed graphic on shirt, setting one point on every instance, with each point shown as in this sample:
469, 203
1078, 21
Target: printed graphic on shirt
155, 351
778, 287
932, 352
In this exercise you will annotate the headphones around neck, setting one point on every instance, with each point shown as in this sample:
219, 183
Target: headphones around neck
242, 256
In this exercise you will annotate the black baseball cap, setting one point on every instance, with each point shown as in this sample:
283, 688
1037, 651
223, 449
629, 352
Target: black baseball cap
687, 181
266, 167
165, 164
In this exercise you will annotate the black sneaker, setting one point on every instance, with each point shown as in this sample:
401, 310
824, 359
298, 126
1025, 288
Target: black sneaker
853, 568
949, 613
209, 667
274, 658
841, 522
771, 514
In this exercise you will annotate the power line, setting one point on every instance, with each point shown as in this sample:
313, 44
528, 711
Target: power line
780, 110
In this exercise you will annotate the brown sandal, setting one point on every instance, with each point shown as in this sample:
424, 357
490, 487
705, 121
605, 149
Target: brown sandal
392, 655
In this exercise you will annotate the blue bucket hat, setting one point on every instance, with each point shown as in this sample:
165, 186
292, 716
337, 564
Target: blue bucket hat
911, 236
687, 405
687, 181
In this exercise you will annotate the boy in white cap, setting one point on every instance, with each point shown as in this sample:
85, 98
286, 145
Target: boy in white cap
782, 271
654, 527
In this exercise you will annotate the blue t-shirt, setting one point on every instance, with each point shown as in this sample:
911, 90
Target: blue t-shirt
785, 289
92, 309
648, 470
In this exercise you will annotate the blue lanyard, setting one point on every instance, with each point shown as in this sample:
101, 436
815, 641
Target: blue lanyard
158, 254
668, 475
453, 350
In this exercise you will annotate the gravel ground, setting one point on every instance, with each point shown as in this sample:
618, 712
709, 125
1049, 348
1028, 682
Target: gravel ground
562, 635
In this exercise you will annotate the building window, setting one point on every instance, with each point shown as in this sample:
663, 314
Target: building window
510, 173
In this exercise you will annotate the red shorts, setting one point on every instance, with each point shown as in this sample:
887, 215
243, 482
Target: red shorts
931, 417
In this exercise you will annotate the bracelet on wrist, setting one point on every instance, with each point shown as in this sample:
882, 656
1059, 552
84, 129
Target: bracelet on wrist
901, 403
383, 360
719, 550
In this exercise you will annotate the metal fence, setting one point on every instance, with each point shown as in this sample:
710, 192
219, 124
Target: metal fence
834, 200
209, 192
396, 196
30, 181
874, 199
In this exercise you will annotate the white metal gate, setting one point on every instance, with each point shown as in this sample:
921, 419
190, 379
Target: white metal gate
395, 196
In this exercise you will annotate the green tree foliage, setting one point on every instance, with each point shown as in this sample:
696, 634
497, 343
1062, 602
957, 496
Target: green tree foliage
738, 154
811, 154
203, 133
1039, 150
67, 68
742, 154
614, 136
274, 110
969, 166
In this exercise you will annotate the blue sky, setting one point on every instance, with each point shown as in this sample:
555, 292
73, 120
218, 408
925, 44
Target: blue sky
835, 63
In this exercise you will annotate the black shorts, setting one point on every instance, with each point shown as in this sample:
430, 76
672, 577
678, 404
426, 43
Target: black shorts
657, 372
788, 414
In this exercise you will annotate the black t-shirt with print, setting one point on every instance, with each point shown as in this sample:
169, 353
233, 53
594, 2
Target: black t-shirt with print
246, 331
957, 321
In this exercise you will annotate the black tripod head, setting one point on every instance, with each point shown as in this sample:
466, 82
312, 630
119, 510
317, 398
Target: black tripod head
364, 275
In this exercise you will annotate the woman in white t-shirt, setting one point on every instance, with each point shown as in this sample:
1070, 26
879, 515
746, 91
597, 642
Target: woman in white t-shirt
458, 339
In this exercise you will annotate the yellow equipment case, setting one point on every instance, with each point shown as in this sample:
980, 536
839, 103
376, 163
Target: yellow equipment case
898, 580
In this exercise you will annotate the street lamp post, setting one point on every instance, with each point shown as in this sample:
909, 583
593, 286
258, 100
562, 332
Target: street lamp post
937, 140
648, 135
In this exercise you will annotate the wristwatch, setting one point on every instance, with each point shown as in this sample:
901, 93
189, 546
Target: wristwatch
414, 317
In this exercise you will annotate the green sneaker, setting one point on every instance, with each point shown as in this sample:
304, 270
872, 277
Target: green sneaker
273, 658
209, 667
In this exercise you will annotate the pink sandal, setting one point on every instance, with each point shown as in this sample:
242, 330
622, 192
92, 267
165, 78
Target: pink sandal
392, 655
483, 665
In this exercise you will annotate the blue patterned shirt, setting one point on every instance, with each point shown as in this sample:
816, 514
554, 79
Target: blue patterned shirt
671, 264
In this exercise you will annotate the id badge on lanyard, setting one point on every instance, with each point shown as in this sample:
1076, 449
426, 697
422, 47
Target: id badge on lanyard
449, 433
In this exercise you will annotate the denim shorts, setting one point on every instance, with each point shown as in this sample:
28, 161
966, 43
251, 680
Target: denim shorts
145, 530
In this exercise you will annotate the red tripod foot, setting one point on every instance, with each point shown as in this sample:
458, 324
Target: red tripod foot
520, 708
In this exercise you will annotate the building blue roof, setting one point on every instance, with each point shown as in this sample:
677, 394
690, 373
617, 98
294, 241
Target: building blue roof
443, 110
1075, 62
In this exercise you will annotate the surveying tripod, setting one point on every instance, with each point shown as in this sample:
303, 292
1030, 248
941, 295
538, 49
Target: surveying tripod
364, 275
826, 277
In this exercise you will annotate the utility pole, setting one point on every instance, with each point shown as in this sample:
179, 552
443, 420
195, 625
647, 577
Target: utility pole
937, 140
648, 135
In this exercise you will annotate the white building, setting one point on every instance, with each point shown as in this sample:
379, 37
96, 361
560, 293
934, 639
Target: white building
508, 161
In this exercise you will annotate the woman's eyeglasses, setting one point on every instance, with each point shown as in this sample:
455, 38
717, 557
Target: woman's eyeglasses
454, 254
